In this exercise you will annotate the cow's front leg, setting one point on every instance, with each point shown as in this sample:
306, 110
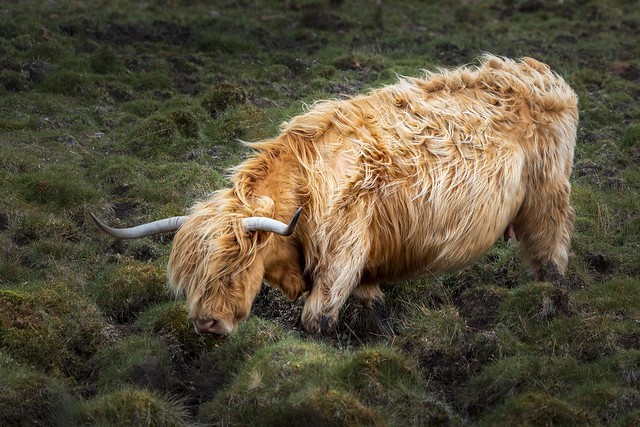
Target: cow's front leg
322, 308
345, 251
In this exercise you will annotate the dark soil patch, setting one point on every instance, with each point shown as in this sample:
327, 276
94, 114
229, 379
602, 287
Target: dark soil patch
625, 70
479, 307
124, 34
4, 221
630, 341
530, 6
597, 174
37, 70
272, 304
600, 263
450, 54
317, 17
142, 62
144, 254
355, 326
124, 209
196, 384
152, 374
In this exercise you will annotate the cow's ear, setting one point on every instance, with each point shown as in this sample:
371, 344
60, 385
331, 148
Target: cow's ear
264, 206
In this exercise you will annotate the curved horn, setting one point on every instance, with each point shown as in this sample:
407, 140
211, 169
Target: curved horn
166, 225
259, 223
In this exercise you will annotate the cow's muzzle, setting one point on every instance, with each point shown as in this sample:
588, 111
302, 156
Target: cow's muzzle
219, 328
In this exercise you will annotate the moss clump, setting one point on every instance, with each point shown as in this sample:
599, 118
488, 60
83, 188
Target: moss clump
53, 328
373, 370
29, 397
140, 108
630, 419
12, 272
602, 324
317, 385
538, 408
170, 321
57, 186
607, 400
431, 332
615, 297
154, 136
140, 360
387, 379
246, 122
626, 365
104, 60
157, 79
164, 134
126, 289
116, 171
69, 83
324, 407
119, 92
39, 227
438, 339
267, 384
510, 376
186, 122
133, 407
536, 301
631, 136
13, 80
222, 96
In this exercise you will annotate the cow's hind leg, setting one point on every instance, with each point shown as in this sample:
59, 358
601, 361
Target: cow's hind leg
372, 297
545, 223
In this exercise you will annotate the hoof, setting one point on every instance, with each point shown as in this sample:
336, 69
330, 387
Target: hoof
380, 317
322, 327
549, 272
327, 325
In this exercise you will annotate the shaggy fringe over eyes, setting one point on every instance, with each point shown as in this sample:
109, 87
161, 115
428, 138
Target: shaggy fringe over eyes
210, 250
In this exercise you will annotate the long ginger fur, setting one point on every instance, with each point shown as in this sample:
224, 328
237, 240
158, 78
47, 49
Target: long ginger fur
420, 176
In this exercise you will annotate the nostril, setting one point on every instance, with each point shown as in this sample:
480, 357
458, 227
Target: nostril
205, 326
213, 326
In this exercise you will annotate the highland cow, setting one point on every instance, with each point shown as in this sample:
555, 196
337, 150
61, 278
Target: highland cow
421, 176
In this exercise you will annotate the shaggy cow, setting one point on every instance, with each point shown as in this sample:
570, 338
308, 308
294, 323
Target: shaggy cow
422, 176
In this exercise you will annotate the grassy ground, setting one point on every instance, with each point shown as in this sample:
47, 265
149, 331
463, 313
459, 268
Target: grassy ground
133, 110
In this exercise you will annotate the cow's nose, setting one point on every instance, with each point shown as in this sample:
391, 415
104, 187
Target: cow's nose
212, 326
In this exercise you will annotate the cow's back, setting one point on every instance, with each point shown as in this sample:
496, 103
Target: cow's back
433, 169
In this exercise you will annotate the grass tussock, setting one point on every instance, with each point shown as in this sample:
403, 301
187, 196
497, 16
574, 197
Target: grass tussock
138, 360
313, 383
124, 290
51, 327
30, 397
132, 406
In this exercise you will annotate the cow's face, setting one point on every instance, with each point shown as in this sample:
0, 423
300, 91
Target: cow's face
218, 267
219, 306
218, 262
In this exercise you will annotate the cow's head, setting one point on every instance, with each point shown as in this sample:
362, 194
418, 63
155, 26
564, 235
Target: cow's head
218, 260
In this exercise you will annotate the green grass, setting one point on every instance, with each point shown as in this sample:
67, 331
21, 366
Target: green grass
134, 110
139, 360
30, 397
135, 407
